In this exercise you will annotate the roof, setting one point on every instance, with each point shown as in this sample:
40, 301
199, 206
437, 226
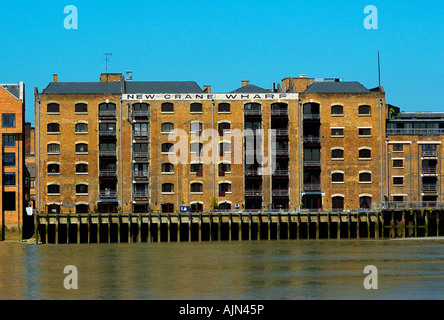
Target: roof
336, 87
115, 87
13, 89
250, 88
31, 169
420, 115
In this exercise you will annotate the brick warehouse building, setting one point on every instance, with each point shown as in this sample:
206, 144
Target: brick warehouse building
116, 145
12, 109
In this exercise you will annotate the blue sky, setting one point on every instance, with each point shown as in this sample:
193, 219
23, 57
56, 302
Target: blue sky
221, 43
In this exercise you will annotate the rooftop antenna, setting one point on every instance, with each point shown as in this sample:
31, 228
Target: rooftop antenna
107, 55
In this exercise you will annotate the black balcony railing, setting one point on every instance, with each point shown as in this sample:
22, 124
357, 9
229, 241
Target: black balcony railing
253, 193
108, 194
312, 187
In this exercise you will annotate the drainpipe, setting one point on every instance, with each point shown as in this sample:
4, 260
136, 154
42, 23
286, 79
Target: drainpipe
301, 173
213, 151
121, 160
382, 158
38, 152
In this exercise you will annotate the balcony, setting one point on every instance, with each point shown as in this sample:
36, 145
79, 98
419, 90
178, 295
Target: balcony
429, 187
281, 172
312, 163
280, 193
279, 113
108, 194
108, 173
141, 194
140, 155
141, 113
430, 170
108, 133
140, 134
281, 152
140, 174
253, 173
253, 112
279, 132
107, 113
107, 153
311, 139
253, 193
420, 131
312, 187
312, 116
429, 153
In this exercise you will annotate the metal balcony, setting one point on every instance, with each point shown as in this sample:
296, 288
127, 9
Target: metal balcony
422, 131
253, 193
279, 132
107, 153
140, 134
429, 153
280, 193
253, 173
281, 173
108, 173
107, 113
140, 174
140, 194
429, 187
108, 194
281, 152
140, 155
311, 139
141, 113
430, 170
312, 187
253, 112
312, 163
312, 116
107, 133
279, 112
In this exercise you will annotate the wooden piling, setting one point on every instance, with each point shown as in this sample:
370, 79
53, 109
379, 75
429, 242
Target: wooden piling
211, 226
79, 221
269, 227
219, 227
230, 221
57, 229
403, 224
288, 225
159, 221
415, 219
249, 225
239, 228
358, 225
200, 227
47, 227
338, 226
89, 228
368, 225
259, 227
308, 224
129, 228
278, 227
99, 227
298, 226
328, 225
149, 228
68, 222
317, 225
348, 224
437, 223
426, 223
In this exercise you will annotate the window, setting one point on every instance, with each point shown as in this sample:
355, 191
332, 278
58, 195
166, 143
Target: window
105, 127
196, 107
398, 198
337, 154
366, 132
197, 168
224, 147
9, 179
168, 188
365, 110
197, 148
167, 148
82, 168
8, 120
8, 159
223, 128
224, 188
337, 132
365, 177
82, 208
196, 128
54, 189
365, 202
337, 177
107, 110
81, 189
337, 110
53, 108
53, 168
398, 181
81, 108
81, 148
225, 206
141, 147
53, 128
338, 203
53, 148
167, 207
398, 163
365, 153
9, 200
167, 107
167, 128
167, 168
140, 107
224, 168
398, 147
224, 107
196, 187
81, 128
252, 106
140, 129
8, 140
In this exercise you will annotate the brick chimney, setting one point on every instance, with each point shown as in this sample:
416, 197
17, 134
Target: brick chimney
111, 77
207, 89
54, 78
245, 83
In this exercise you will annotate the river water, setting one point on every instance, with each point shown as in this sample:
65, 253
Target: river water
257, 270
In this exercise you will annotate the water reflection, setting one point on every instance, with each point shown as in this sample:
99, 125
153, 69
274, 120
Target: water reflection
309, 269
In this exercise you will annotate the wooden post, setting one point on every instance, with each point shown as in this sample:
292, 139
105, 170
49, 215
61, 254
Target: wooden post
159, 221
149, 227
129, 228
47, 227
426, 224
377, 226
57, 229
317, 225
139, 228
79, 220
36, 228
269, 226
89, 228
169, 227
308, 224
99, 227
178, 227
239, 227
230, 221
415, 221
219, 227
210, 217
249, 225
338, 226
392, 226
68, 222
358, 225
259, 226
437, 223
200, 227
119, 224
190, 225
368, 224
278, 227
328, 224
298, 226
110, 222
348, 224
403, 224
288, 225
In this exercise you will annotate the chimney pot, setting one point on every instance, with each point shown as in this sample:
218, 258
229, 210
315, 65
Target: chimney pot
245, 83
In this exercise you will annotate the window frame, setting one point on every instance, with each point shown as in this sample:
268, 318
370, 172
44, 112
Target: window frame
364, 114
53, 108
167, 125
166, 106
9, 120
81, 104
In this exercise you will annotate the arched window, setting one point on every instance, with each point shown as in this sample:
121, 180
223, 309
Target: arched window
81, 148
196, 128
81, 128
337, 153
337, 110
81, 108
167, 148
365, 110
223, 127
53, 128
225, 206
81, 189
224, 107
224, 188
365, 202
107, 106
365, 177
53, 148
167, 107
167, 168
167, 127
140, 107
82, 208
252, 108
337, 177
81, 168
53, 168
197, 148
338, 203
196, 107
53, 108
365, 153
197, 206
168, 188
196, 187
53, 189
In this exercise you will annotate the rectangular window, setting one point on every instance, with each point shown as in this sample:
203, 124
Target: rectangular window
398, 181
9, 179
337, 132
9, 159
9, 201
398, 163
8, 140
366, 132
8, 120
398, 147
